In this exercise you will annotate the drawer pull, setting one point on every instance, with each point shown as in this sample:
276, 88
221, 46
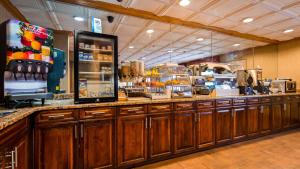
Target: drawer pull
205, 104
97, 113
224, 102
53, 117
161, 107
239, 101
184, 105
134, 109
137, 112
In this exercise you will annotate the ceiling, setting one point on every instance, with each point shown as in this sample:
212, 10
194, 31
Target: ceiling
271, 18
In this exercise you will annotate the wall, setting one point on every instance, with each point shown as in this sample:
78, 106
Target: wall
282, 60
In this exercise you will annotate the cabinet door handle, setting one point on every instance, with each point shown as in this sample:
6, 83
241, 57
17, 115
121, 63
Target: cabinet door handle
146, 123
81, 131
284, 107
196, 118
16, 156
150, 122
75, 130
12, 160
262, 110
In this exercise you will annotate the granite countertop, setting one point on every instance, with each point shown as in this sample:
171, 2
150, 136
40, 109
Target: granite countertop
19, 114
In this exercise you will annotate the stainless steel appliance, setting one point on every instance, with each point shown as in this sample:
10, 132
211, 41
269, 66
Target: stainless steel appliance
290, 86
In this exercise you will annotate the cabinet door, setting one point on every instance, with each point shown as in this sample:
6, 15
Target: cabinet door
132, 139
205, 133
184, 131
239, 123
160, 135
286, 117
253, 113
276, 117
223, 125
55, 146
266, 119
22, 153
294, 114
97, 143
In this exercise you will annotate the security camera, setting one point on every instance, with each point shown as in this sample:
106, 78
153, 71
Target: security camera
119, 0
110, 19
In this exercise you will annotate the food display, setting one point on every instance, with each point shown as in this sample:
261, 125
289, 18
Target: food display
176, 79
95, 64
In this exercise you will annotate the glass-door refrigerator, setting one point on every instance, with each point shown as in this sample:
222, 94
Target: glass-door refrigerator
95, 67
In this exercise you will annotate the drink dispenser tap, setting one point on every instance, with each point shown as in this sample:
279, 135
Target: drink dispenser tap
17, 67
30, 69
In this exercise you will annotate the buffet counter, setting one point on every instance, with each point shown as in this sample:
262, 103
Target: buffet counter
127, 134
19, 114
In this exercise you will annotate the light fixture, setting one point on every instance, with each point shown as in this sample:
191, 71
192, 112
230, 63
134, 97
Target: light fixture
288, 31
170, 51
143, 58
200, 39
131, 47
184, 2
78, 18
150, 31
248, 20
236, 45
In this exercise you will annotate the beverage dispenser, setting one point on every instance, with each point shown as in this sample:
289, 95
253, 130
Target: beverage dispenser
26, 59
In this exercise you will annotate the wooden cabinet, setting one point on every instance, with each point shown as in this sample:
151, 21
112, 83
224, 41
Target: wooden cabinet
14, 146
97, 138
97, 143
205, 128
239, 128
56, 139
286, 115
132, 139
265, 118
55, 146
223, 125
184, 131
295, 113
253, 113
160, 135
276, 116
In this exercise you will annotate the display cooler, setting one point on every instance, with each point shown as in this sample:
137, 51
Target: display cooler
96, 67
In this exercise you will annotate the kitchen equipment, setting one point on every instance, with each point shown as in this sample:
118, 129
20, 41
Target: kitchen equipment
26, 59
96, 78
278, 86
290, 86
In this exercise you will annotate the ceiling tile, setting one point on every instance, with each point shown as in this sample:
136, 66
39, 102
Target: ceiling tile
150, 6
179, 12
205, 18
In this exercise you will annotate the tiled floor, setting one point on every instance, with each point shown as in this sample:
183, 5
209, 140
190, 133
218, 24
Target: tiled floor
281, 151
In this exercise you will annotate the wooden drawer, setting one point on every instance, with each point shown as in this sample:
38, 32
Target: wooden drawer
265, 99
10, 133
105, 112
238, 101
223, 102
160, 108
277, 99
184, 106
253, 101
205, 104
131, 110
56, 116
288, 98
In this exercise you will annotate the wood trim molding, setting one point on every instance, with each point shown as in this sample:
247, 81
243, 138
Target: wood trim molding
13, 10
167, 19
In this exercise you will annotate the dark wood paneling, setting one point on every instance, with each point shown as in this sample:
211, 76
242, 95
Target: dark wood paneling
132, 139
160, 135
295, 112
266, 118
239, 122
98, 143
253, 113
276, 116
286, 115
205, 128
184, 131
223, 125
55, 147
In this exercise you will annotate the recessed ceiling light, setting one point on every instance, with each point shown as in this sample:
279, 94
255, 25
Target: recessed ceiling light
248, 20
143, 58
170, 51
131, 47
150, 31
184, 2
288, 31
200, 39
78, 18
236, 45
